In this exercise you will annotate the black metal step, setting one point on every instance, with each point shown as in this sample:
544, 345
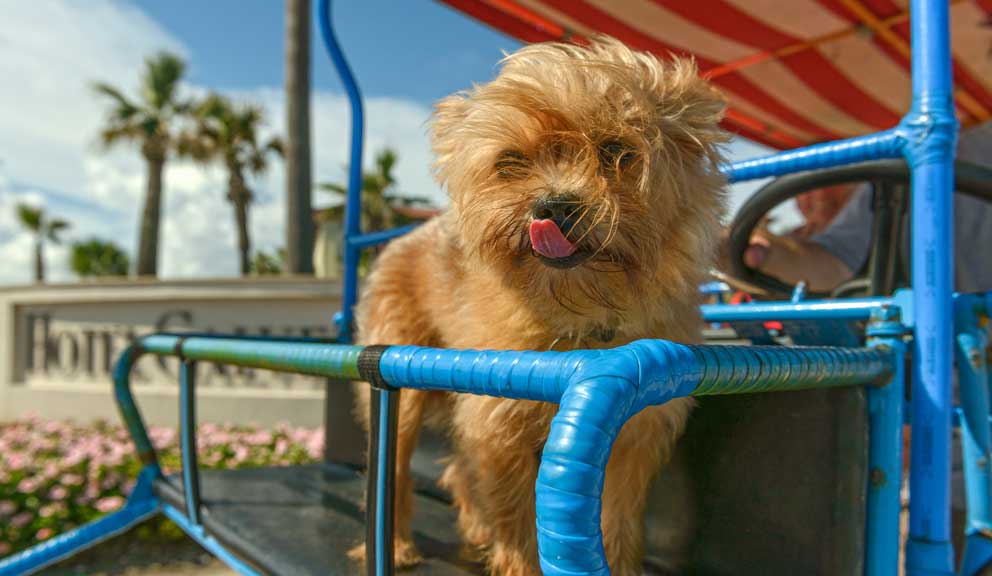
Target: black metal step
302, 520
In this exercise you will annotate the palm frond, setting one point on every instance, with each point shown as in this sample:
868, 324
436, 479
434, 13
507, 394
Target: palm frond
161, 80
332, 187
194, 145
30, 216
258, 162
125, 108
212, 106
385, 161
120, 133
150, 126
54, 227
276, 145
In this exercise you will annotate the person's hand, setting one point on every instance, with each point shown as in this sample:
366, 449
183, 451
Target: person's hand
754, 255
757, 251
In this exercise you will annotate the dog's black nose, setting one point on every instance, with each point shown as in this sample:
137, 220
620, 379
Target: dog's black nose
562, 209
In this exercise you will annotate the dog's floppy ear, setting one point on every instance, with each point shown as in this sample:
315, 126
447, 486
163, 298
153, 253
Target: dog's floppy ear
449, 114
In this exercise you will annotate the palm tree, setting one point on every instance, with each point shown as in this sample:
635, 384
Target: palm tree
98, 258
379, 195
379, 209
228, 133
148, 122
42, 228
266, 264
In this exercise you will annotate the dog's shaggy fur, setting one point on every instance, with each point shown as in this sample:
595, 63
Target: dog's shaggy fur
634, 143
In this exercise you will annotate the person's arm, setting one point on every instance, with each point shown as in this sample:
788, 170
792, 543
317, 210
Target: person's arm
793, 260
825, 260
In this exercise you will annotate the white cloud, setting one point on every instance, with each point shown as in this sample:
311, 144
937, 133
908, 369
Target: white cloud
51, 52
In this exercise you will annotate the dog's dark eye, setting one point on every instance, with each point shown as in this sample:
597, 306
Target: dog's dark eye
615, 155
511, 164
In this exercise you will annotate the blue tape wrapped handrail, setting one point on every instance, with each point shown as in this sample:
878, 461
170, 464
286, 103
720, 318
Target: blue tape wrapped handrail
598, 391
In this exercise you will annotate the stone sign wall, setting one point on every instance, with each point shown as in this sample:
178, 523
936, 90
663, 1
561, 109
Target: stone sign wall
59, 345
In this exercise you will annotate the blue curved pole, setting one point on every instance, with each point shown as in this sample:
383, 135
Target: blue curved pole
353, 205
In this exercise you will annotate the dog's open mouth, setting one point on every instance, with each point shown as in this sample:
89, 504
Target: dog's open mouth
552, 247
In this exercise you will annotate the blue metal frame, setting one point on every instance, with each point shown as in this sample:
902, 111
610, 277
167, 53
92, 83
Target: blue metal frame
885, 404
211, 544
141, 505
187, 430
353, 208
599, 390
926, 137
976, 433
931, 135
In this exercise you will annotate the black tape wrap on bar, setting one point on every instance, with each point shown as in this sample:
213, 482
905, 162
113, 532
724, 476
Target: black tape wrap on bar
178, 348
368, 366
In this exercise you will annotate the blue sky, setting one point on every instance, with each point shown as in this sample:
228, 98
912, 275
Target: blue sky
416, 49
406, 54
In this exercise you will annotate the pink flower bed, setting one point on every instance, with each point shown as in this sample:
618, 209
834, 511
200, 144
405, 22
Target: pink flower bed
55, 476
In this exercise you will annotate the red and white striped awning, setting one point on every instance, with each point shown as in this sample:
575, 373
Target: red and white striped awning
796, 71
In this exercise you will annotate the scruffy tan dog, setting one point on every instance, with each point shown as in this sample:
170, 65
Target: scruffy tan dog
585, 205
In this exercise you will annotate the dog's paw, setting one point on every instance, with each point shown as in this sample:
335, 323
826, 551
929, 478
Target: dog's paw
509, 562
405, 554
472, 553
357, 553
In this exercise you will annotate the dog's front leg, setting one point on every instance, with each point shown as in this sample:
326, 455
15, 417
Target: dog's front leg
498, 443
411, 411
644, 445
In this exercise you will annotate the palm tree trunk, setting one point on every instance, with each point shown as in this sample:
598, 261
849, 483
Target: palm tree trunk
148, 239
39, 260
244, 241
239, 195
299, 225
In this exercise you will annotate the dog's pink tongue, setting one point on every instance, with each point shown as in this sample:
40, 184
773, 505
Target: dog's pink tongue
548, 241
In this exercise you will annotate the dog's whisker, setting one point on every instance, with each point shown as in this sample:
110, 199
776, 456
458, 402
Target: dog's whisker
576, 226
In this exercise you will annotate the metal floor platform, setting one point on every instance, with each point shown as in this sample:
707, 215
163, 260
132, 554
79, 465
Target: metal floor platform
302, 520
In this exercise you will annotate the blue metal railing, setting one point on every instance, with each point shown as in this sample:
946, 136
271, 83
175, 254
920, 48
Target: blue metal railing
353, 201
599, 390
925, 137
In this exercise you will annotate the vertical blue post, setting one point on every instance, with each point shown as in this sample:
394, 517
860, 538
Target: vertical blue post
187, 429
353, 205
976, 434
930, 131
380, 494
885, 405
